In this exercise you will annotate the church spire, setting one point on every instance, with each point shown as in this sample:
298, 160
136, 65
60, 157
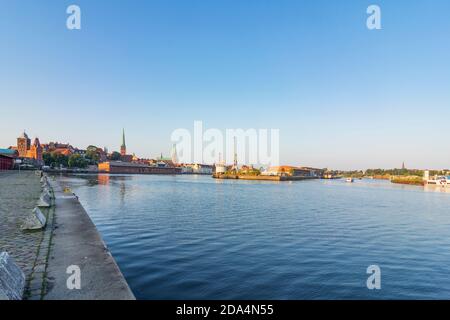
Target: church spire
123, 147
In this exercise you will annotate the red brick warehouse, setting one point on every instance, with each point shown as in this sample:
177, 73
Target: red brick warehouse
6, 163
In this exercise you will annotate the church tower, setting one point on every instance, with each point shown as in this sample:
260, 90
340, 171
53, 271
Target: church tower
36, 150
123, 147
23, 145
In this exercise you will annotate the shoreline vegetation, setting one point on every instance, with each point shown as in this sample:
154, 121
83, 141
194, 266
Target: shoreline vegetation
397, 176
410, 180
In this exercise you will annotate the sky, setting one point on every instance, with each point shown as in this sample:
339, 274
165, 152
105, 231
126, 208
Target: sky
342, 96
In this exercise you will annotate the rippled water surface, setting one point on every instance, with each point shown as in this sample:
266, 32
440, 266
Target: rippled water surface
193, 237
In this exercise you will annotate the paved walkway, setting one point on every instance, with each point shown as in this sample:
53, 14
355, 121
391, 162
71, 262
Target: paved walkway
76, 242
70, 238
19, 193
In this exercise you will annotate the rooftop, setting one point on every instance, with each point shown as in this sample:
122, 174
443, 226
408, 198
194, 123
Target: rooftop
8, 152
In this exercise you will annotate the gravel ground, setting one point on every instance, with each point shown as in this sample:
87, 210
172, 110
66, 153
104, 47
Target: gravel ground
19, 192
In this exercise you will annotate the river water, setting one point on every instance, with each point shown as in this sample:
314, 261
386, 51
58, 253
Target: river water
193, 237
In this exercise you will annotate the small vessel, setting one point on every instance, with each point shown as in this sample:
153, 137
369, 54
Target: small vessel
439, 181
350, 180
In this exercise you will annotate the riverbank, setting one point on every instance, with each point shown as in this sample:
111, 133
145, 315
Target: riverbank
69, 239
261, 178
76, 242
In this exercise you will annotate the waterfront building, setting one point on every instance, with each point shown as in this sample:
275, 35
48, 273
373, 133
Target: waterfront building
292, 171
6, 162
197, 168
65, 149
202, 169
13, 153
7, 158
56, 146
26, 150
186, 170
23, 145
315, 172
64, 152
35, 151
164, 162
135, 168
126, 158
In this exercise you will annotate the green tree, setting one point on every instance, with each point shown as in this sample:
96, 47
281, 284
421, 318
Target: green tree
55, 159
92, 154
60, 159
48, 159
77, 161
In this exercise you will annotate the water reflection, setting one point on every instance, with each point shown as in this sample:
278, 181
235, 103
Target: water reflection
103, 179
430, 188
122, 192
187, 237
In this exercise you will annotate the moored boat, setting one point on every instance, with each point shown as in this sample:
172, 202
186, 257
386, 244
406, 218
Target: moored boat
439, 181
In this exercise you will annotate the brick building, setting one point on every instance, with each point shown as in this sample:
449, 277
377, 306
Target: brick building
134, 168
27, 150
23, 145
6, 162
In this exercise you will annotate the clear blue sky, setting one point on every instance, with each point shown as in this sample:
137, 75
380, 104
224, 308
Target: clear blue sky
342, 96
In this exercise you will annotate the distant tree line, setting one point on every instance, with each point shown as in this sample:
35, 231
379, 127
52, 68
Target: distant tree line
91, 157
394, 172
56, 160
390, 172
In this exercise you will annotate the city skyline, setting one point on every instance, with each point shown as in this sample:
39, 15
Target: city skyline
122, 150
343, 96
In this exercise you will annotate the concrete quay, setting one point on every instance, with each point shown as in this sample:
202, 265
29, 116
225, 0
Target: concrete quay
48, 256
76, 242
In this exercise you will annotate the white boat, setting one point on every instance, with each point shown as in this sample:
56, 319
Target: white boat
350, 180
439, 181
